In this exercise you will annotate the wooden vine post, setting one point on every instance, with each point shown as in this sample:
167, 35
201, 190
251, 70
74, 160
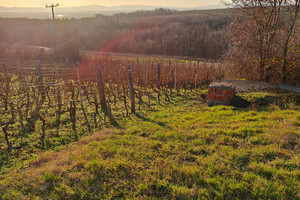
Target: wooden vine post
7, 88
4, 124
40, 104
72, 108
23, 87
195, 77
146, 85
171, 84
81, 101
59, 100
158, 81
35, 115
175, 78
131, 90
102, 96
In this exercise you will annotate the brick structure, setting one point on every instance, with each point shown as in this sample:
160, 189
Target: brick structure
220, 93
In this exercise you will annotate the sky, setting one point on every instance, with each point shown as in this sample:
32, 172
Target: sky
74, 3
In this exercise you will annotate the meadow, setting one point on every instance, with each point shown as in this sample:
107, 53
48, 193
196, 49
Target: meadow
180, 149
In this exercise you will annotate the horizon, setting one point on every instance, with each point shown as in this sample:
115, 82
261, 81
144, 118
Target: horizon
88, 10
81, 3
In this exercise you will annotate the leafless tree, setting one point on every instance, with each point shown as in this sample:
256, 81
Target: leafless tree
261, 33
293, 7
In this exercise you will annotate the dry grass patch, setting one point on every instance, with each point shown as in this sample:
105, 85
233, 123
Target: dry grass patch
51, 163
63, 157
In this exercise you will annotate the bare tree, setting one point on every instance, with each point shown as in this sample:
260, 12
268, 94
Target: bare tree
293, 8
256, 33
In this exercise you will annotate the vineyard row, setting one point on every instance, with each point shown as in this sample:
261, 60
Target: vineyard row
53, 97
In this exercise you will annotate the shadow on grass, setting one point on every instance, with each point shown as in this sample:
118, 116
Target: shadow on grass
182, 98
297, 100
117, 125
261, 103
240, 102
162, 124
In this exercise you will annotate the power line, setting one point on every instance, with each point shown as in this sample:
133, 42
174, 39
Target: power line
52, 6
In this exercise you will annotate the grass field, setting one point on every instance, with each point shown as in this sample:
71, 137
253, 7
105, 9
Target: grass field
178, 150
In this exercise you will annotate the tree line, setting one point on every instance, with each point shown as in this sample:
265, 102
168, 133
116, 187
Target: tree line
258, 39
264, 40
159, 32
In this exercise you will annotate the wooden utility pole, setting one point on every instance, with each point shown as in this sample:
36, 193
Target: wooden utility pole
52, 6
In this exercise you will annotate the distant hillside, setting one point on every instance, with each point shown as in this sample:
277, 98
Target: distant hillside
192, 33
84, 11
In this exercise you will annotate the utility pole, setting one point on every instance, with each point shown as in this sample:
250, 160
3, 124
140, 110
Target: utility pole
52, 6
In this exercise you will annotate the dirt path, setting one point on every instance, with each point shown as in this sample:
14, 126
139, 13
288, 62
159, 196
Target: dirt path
246, 86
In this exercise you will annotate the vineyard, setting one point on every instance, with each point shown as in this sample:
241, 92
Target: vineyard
121, 106
48, 103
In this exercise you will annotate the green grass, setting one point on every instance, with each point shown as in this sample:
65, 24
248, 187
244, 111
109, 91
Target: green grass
178, 150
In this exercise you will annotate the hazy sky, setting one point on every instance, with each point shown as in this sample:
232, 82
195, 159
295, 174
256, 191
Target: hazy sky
70, 3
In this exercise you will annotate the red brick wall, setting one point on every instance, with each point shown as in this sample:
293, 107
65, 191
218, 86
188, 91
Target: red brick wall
220, 95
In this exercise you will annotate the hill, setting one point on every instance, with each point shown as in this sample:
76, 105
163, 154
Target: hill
196, 33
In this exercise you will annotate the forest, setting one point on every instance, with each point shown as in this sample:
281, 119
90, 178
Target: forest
158, 32
259, 43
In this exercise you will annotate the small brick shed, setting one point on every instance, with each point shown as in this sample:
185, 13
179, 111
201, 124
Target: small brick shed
220, 93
